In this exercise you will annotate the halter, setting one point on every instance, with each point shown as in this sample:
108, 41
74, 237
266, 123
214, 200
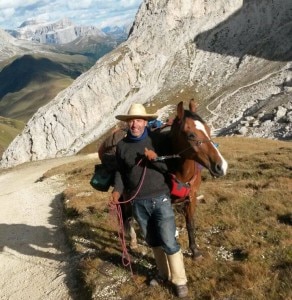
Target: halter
199, 142
191, 136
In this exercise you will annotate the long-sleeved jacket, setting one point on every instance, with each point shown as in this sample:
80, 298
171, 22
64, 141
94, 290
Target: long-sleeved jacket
131, 161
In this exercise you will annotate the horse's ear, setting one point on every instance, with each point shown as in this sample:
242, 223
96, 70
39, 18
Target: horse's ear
193, 105
180, 110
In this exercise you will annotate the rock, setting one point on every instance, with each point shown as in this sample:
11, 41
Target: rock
249, 118
256, 123
289, 117
280, 112
243, 130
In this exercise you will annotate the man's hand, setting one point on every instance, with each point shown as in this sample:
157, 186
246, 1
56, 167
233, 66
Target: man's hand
114, 198
150, 154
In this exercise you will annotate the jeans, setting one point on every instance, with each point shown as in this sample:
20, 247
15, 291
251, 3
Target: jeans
157, 222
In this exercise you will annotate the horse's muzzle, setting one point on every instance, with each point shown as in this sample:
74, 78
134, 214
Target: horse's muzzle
219, 169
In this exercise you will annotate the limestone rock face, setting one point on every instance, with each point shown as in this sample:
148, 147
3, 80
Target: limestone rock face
231, 55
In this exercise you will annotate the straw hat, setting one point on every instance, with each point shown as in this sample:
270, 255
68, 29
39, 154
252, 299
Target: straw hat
137, 111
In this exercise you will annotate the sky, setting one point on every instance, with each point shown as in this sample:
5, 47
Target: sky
99, 13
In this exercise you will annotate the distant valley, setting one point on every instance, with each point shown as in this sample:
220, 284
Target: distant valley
37, 62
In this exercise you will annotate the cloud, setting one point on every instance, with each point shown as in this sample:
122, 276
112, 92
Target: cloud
5, 4
99, 13
79, 4
7, 13
129, 3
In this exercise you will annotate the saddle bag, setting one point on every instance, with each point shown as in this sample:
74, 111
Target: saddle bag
179, 189
102, 179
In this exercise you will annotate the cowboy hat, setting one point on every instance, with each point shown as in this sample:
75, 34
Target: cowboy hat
136, 111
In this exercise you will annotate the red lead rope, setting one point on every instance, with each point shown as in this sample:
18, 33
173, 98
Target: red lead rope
116, 210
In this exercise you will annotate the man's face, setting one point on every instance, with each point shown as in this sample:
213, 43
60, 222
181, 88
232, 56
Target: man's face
137, 126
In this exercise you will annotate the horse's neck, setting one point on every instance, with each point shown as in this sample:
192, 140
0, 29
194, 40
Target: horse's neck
187, 169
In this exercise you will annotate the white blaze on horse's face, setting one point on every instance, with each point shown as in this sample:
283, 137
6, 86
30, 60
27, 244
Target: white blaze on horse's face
200, 126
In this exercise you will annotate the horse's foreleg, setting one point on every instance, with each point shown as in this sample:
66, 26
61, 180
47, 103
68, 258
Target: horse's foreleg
190, 224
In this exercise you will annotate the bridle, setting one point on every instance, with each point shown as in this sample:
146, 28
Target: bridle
191, 137
198, 143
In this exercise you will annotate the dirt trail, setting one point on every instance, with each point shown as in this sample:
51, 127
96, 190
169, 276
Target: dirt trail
34, 260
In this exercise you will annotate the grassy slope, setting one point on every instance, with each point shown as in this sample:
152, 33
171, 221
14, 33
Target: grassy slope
9, 129
31, 81
243, 229
23, 104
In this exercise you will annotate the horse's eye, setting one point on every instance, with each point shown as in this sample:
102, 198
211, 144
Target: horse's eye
199, 143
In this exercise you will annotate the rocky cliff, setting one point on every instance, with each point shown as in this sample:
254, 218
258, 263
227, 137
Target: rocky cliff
233, 56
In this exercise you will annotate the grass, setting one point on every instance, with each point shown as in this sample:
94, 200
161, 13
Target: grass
23, 104
9, 129
243, 230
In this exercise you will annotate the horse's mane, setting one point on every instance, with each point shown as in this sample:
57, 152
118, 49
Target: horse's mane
193, 115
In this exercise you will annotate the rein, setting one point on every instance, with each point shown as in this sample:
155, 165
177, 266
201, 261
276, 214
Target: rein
164, 157
115, 208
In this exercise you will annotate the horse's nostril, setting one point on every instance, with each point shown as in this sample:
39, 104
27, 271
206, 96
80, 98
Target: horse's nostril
218, 169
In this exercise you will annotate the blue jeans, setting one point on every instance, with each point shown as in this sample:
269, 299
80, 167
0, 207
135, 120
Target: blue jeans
157, 222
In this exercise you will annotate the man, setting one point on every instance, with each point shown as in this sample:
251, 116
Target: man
143, 179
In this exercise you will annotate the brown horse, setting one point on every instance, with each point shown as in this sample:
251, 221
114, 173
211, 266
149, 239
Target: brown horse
191, 139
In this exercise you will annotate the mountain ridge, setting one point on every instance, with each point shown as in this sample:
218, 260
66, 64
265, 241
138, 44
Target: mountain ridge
61, 32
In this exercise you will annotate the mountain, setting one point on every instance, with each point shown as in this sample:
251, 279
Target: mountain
5, 50
120, 33
9, 47
32, 73
66, 36
91, 46
233, 57
60, 32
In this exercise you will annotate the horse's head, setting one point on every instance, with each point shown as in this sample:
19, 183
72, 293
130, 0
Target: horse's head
192, 140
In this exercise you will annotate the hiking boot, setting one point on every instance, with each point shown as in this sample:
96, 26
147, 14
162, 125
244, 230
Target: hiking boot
181, 290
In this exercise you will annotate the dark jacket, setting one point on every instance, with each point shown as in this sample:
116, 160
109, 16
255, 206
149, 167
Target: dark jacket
131, 162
